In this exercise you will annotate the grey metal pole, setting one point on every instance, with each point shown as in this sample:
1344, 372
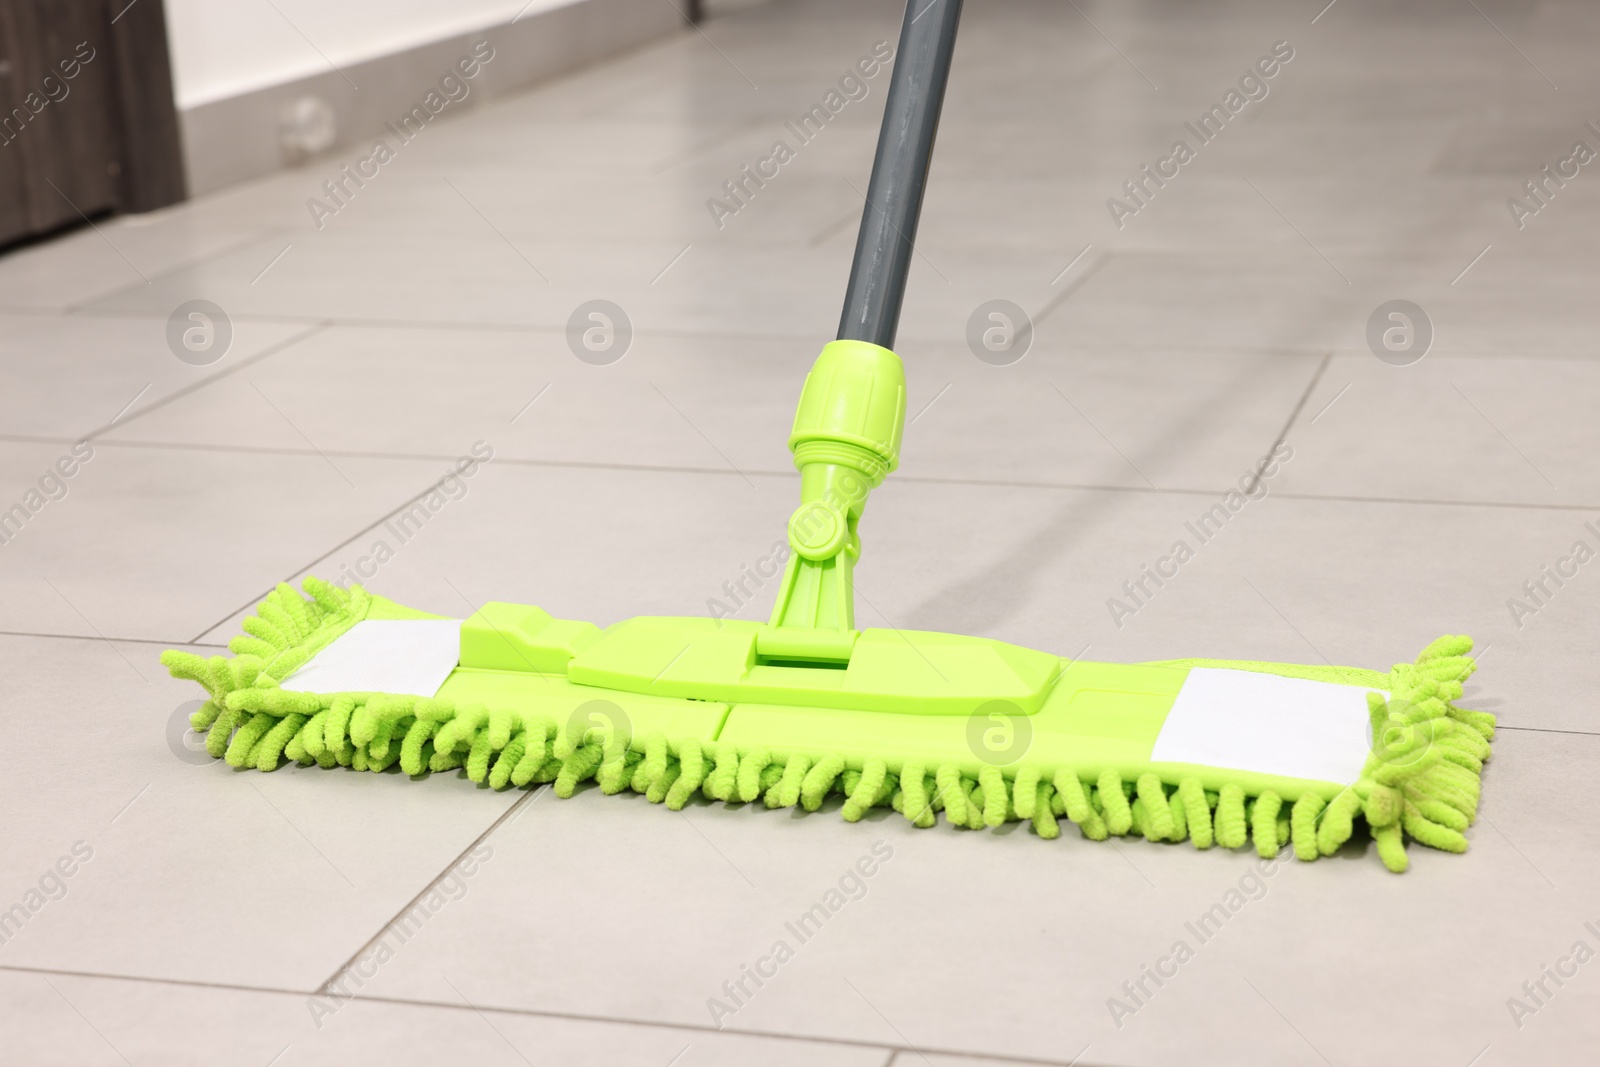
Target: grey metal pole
900, 172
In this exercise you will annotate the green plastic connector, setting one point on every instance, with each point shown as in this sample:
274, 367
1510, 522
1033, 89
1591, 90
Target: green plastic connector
518, 637
846, 440
910, 672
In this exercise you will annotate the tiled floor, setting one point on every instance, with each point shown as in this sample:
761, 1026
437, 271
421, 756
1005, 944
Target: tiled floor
209, 911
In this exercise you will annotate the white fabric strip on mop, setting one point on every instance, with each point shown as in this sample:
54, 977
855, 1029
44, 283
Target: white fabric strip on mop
410, 657
1268, 724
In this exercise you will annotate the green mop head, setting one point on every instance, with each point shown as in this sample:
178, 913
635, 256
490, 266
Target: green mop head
512, 717
804, 706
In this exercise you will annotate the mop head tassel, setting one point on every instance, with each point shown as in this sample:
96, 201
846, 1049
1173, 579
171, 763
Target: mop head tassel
1421, 781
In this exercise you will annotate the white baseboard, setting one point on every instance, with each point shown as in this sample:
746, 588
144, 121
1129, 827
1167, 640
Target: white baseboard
241, 137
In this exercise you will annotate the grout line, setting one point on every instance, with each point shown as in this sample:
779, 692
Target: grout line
922, 479
117, 640
716, 140
404, 457
1546, 730
1152, 351
1072, 287
521, 802
186, 983
1300, 405
1413, 502
155, 316
81, 307
568, 1016
821, 237
1305, 398
270, 350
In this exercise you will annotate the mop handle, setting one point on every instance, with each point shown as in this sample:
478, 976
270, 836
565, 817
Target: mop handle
900, 172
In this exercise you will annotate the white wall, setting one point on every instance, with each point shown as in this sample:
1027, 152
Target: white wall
221, 48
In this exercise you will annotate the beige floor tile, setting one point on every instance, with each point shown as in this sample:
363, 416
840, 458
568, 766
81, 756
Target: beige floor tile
67, 377
116, 254
1174, 420
161, 543
182, 868
1512, 429
74, 1020
965, 942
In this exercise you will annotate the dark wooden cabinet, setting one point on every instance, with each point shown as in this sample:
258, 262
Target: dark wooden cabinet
87, 120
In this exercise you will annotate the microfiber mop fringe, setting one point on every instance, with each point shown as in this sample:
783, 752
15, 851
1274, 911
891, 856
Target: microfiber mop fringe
1421, 781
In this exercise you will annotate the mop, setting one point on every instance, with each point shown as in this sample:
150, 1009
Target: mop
806, 706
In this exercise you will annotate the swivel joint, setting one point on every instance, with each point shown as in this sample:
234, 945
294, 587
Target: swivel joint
846, 440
